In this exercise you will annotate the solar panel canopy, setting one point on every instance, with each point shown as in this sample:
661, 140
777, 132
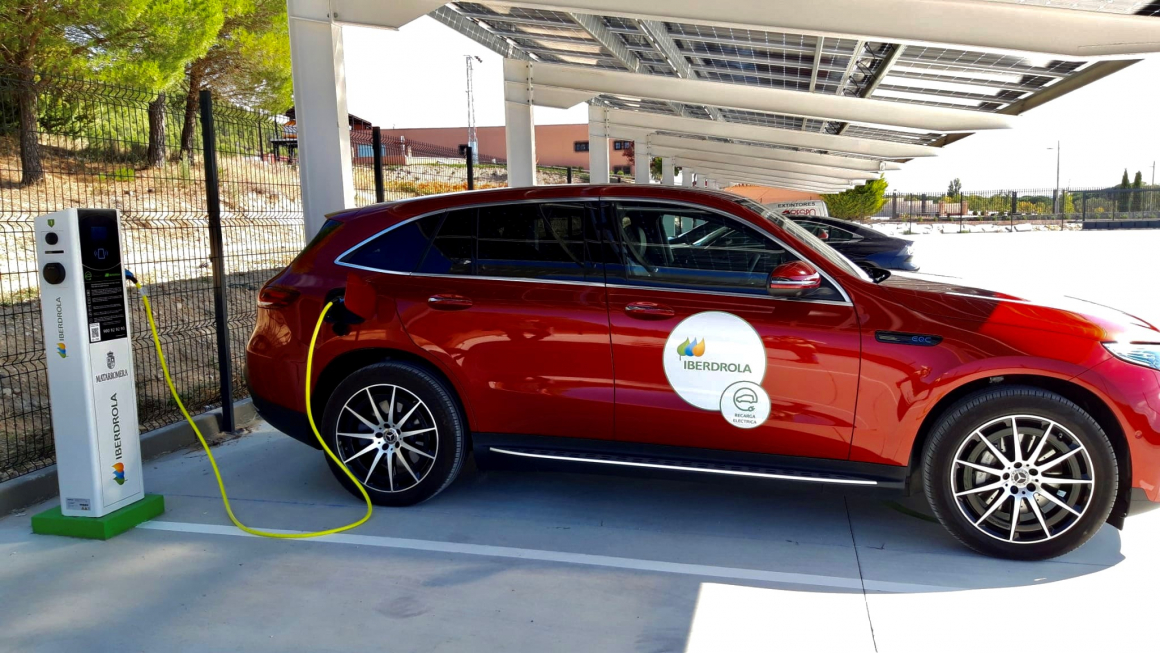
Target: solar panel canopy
859, 102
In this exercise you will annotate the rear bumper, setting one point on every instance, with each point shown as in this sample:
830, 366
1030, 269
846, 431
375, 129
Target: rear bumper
894, 261
286, 420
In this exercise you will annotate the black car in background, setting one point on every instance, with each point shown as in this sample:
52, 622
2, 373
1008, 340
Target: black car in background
861, 243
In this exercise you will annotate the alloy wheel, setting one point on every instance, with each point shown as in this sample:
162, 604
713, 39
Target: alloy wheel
1022, 479
387, 437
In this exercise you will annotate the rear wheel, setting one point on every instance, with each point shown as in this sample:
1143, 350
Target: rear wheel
398, 429
1020, 472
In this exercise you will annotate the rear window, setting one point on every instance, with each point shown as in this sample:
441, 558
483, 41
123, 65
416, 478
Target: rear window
397, 250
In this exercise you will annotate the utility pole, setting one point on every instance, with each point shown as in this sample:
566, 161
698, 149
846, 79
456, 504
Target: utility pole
472, 140
1058, 156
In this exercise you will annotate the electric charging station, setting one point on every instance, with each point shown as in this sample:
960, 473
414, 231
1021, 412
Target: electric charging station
90, 377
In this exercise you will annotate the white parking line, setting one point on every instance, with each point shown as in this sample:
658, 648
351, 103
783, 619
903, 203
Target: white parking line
711, 571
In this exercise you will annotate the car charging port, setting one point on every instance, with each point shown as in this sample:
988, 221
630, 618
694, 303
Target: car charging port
353, 304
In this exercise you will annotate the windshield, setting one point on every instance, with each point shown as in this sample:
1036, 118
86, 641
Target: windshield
813, 242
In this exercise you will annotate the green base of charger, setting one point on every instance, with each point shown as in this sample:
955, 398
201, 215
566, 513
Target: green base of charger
52, 522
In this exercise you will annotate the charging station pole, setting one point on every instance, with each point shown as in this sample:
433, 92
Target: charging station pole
90, 377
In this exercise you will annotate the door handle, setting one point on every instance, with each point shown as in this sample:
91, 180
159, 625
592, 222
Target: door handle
449, 302
648, 310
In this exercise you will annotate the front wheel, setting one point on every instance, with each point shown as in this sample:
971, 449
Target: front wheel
1020, 472
398, 429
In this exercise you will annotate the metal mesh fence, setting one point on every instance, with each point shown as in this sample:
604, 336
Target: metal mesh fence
68, 142
1026, 204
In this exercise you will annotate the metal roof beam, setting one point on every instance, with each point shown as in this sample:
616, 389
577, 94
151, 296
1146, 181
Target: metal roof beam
960, 95
766, 180
967, 81
817, 64
918, 61
766, 167
739, 178
772, 135
806, 163
738, 96
870, 167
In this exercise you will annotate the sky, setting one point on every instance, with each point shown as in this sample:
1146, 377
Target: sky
416, 77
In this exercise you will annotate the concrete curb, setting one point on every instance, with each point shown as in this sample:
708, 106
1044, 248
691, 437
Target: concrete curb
41, 485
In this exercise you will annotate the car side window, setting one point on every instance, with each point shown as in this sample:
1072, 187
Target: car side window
397, 250
828, 232
672, 246
453, 249
536, 240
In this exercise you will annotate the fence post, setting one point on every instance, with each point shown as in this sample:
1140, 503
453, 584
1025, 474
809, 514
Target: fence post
377, 143
470, 168
1014, 207
568, 173
894, 207
217, 259
922, 212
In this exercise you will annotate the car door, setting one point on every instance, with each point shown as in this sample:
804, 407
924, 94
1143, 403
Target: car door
705, 357
509, 298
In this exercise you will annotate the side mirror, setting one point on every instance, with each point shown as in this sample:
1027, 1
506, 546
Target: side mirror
877, 273
793, 279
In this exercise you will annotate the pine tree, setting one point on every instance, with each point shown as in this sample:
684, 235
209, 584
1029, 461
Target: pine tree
1136, 194
1122, 203
248, 63
139, 42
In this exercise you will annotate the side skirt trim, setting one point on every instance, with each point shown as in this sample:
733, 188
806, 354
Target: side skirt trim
684, 468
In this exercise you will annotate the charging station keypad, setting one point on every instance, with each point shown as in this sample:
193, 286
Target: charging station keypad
103, 275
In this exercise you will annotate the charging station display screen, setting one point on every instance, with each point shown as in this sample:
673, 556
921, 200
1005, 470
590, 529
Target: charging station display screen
103, 274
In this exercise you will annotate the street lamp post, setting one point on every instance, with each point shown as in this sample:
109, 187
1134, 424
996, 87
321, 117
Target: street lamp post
1055, 203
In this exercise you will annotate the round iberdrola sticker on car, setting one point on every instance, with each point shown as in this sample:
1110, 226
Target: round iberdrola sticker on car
709, 353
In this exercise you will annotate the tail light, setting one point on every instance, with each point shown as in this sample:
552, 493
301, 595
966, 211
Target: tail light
276, 297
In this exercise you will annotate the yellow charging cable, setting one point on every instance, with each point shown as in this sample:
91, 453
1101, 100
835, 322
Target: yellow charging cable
309, 417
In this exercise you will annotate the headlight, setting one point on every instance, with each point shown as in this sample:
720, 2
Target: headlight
1145, 354
908, 250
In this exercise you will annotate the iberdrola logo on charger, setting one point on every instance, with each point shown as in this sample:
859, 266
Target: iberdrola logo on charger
695, 348
119, 473
62, 350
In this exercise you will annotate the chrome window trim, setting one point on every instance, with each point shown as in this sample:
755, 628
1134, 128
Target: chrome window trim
561, 282
716, 293
846, 297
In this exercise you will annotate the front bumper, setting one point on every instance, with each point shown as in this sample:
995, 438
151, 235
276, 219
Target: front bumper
1133, 394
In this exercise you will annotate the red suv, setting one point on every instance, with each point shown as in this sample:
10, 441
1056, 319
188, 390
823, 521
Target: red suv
697, 332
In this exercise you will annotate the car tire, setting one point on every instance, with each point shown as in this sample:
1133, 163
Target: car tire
1060, 483
399, 430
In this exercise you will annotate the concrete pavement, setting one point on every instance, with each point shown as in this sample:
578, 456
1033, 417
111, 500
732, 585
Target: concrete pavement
522, 561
